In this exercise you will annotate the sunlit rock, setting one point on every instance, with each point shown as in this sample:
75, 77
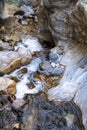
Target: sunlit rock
6, 83
11, 60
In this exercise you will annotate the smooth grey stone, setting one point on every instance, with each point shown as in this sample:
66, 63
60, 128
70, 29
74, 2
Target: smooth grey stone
53, 57
57, 71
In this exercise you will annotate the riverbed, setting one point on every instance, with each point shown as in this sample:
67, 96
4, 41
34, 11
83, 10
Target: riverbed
28, 70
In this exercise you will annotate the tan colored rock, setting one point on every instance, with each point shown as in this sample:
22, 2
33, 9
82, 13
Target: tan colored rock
22, 71
10, 8
10, 60
6, 83
15, 64
41, 77
11, 89
25, 60
15, 79
17, 126
6, 58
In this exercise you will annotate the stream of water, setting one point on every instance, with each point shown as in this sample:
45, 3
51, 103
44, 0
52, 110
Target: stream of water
29, 108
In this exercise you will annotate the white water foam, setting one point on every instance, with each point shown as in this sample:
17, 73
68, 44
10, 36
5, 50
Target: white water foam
32, 44
29, 45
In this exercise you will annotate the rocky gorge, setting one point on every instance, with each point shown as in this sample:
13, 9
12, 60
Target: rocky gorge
43, 63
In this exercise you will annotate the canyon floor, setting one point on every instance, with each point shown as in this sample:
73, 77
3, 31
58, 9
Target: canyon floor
28, 70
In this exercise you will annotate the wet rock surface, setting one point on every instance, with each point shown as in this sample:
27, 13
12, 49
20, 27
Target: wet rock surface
10, 60
66, 19
46, 68
53, 57
41, 114
57, 71
28, 66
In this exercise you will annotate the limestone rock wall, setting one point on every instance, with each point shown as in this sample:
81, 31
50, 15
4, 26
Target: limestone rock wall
52, 15
67, 20
77, 21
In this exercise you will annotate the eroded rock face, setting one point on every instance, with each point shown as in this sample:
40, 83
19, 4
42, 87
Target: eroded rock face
52, 15
77, 20
67, 20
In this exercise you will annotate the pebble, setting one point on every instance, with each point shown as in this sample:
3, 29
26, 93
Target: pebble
54, 65
43, 55
46, 66
40, 77
57, 71
22, 71
53, 57
23, 22
18, 103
